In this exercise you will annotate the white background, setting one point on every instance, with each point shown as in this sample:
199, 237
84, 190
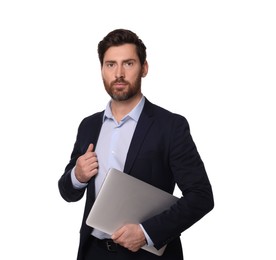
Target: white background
212, 61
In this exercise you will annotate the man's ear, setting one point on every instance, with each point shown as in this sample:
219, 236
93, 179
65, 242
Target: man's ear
145, 69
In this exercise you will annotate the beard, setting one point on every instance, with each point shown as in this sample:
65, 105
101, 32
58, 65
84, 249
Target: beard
130, 91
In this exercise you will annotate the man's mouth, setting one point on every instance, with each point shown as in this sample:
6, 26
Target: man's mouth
119, 84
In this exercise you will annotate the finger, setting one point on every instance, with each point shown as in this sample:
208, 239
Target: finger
90, 148
90, 159
89, 152
117, 234
93, 167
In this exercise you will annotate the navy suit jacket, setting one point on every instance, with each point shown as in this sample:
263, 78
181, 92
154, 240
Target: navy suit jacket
161, 153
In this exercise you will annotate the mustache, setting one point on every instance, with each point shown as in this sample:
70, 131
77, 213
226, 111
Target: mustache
119, 80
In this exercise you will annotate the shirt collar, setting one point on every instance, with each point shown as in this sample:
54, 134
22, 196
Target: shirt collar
133, 114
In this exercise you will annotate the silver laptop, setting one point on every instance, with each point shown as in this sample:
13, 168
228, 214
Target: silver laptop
124, 199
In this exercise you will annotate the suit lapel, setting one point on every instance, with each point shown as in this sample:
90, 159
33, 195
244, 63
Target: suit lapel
144, 123
98, 126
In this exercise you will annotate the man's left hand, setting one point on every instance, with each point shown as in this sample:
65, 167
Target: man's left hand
130, 236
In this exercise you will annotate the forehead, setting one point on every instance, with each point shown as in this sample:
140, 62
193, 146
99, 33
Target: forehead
123, 52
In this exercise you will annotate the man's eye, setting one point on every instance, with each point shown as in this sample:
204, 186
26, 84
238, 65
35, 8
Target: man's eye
129, 64
110, 65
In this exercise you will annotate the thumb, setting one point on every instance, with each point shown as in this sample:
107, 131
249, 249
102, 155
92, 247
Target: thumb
90, 148
117, 233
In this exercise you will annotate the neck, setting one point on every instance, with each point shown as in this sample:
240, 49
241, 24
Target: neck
121, 108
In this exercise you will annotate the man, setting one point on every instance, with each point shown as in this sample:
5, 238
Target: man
140, 139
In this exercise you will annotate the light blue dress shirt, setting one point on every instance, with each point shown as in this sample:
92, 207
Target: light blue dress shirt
112, 147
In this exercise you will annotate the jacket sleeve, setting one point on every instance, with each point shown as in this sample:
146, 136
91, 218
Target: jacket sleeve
190, 175
88, 132
65, 185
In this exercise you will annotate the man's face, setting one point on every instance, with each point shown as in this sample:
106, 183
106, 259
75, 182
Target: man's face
122, 72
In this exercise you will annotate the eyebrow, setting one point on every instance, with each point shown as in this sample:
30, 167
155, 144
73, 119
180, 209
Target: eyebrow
113, 61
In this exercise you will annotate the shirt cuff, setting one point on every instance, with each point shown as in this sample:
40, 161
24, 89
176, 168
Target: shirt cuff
149, 241
77, 184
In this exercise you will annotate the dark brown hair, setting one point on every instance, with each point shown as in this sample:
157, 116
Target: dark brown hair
119, 37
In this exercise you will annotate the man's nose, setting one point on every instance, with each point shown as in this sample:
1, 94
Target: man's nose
120, 73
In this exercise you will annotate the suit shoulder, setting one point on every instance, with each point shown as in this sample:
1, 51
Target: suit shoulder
92, 119
165, 114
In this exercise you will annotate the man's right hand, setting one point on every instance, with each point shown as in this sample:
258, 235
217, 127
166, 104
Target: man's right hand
86, 165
